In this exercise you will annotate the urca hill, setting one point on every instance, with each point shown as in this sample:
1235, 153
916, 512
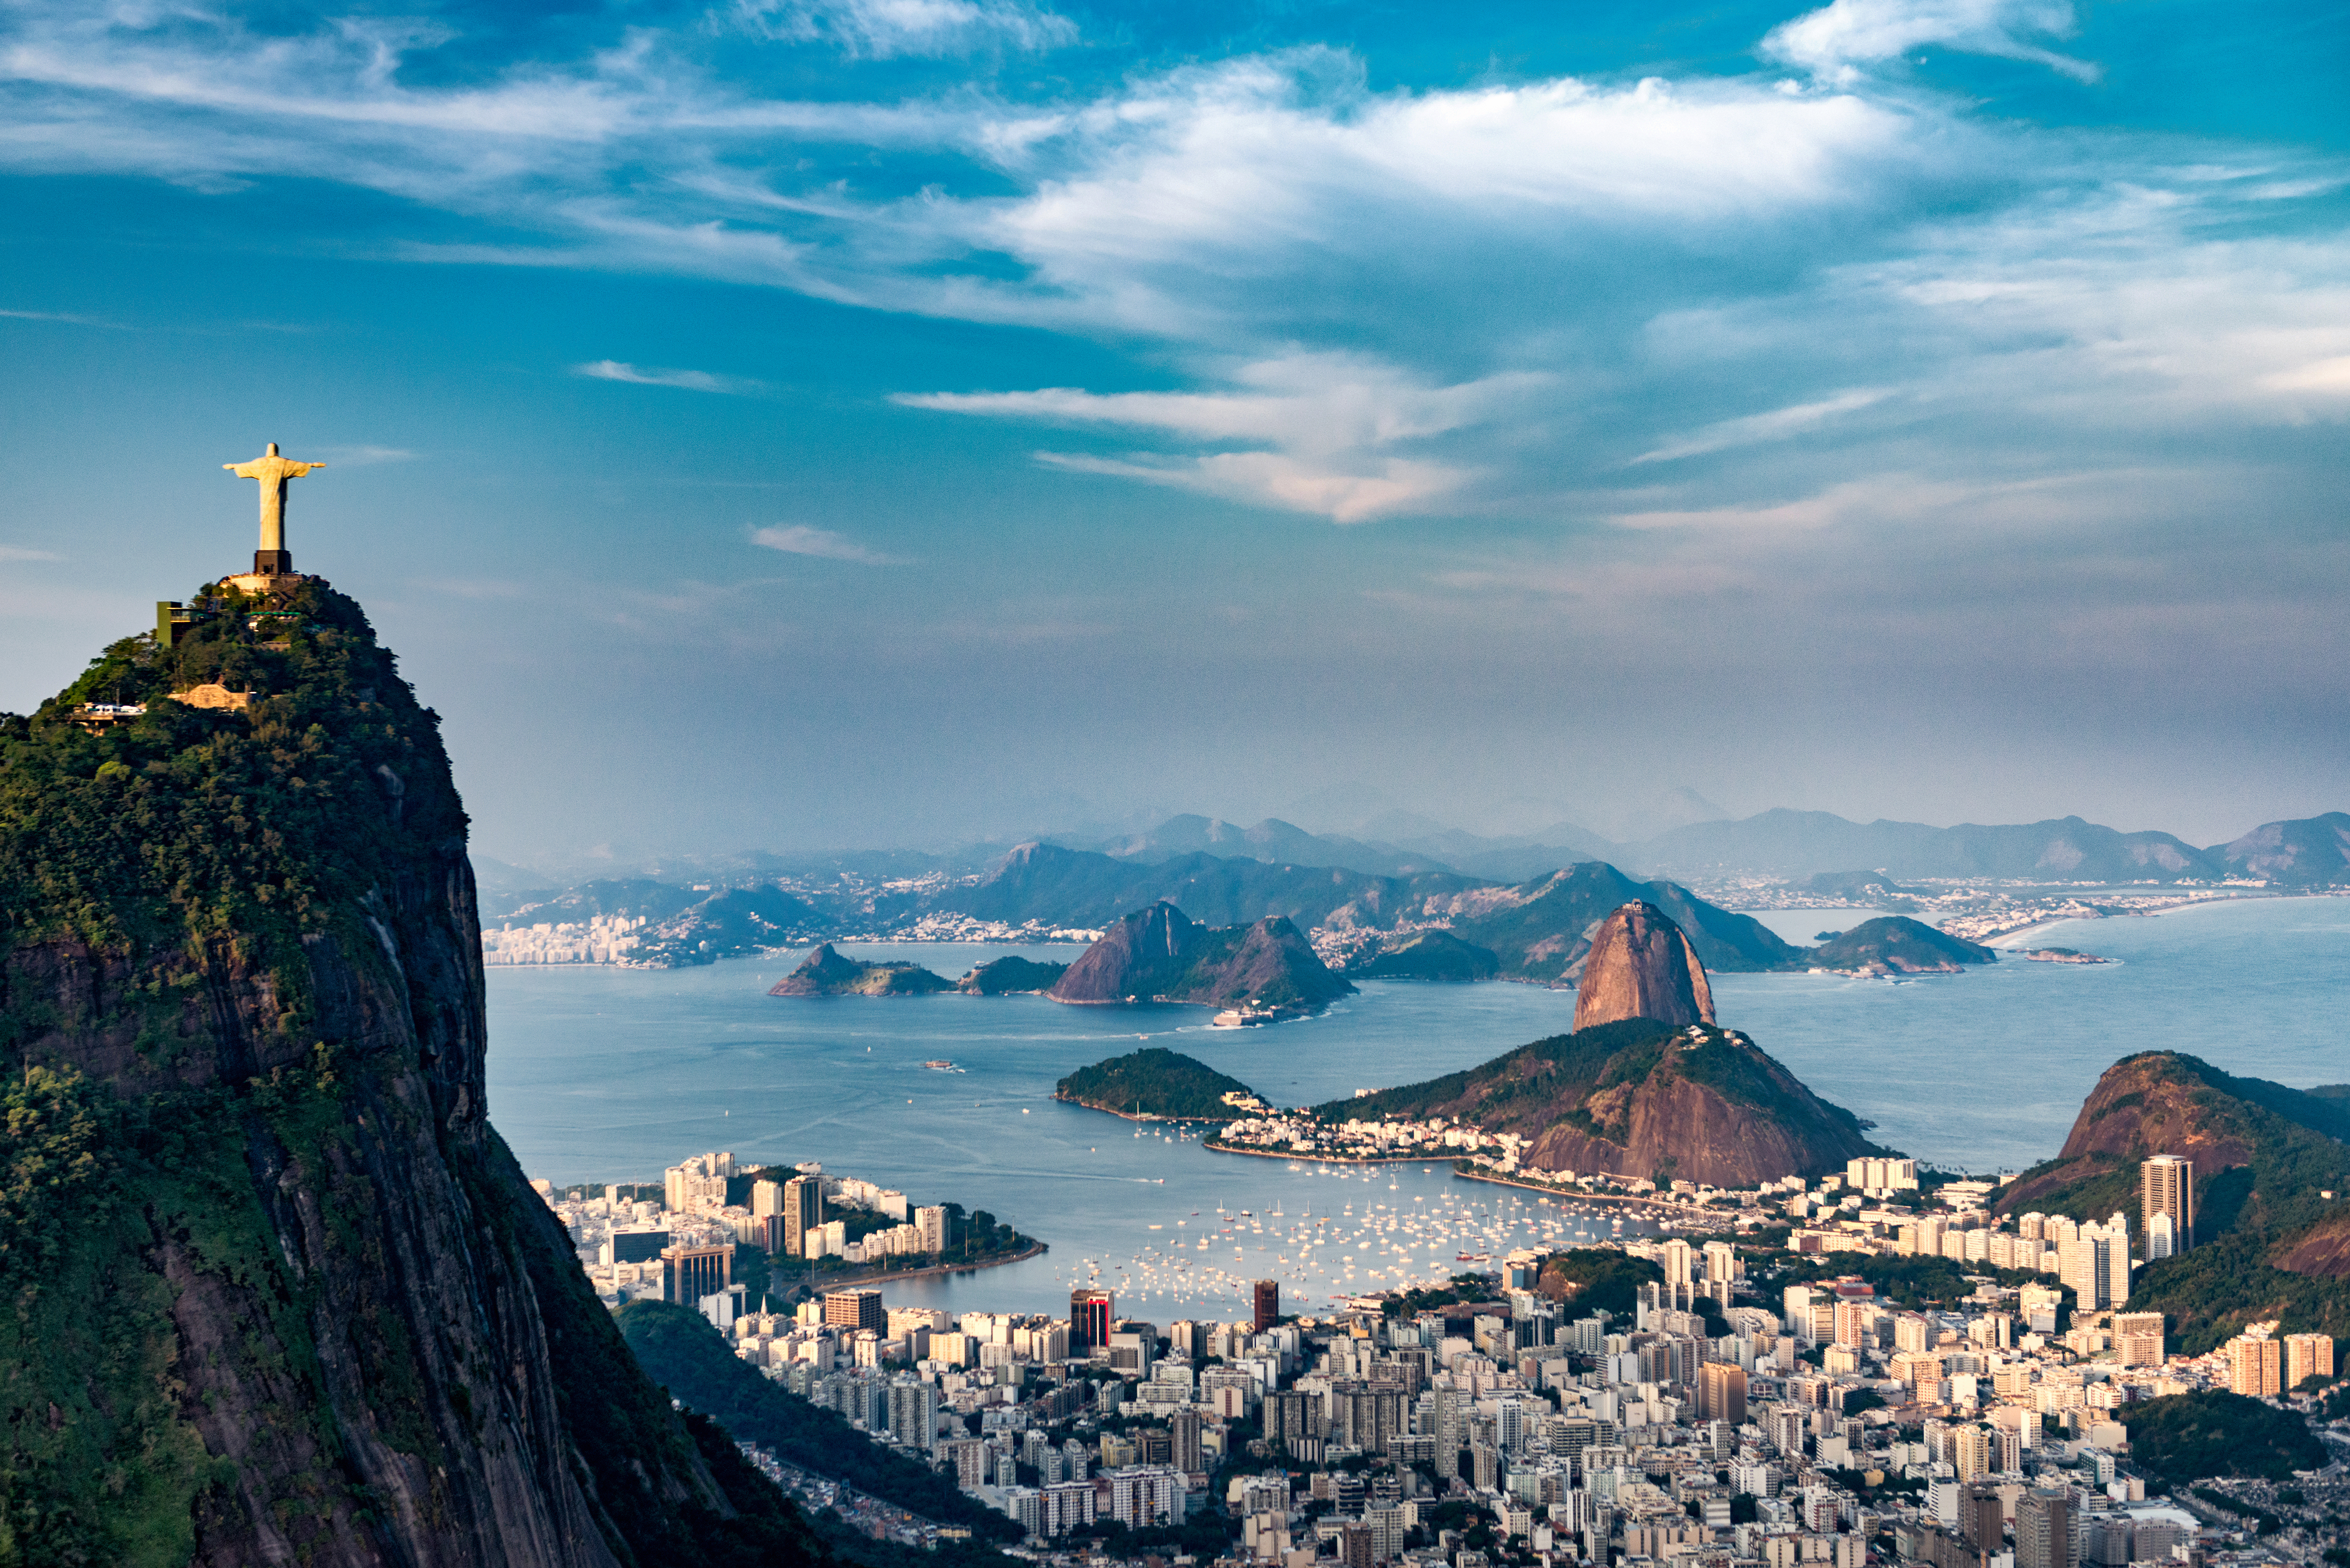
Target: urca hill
279, 1292
1648, 1086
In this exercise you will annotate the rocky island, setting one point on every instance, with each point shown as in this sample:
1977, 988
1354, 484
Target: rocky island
1161, 954
1159, 1084
824, 973
2061, 955
1895, 944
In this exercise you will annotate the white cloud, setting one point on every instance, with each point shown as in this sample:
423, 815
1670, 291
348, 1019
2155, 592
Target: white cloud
882, 29
799, 539
1331, 422
364, 456
1833, 41
61, 317
653, 376
20, 553
1779, 424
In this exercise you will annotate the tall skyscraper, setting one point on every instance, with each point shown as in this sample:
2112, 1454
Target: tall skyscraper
2255, 1365
2166, 1185
803, 1208
1982, 1518
1721, 1392
1090, 1316
2306, 1356
2043, 1530
1267, 1294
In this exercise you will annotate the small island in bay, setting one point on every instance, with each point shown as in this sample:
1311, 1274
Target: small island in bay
2061, 955
1263, 971
1011, 974
824, 973
1159, 1084
1895, 944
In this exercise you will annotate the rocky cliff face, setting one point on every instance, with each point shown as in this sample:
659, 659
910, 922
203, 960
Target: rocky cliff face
1544, 930
2166, 1102
283, 1294
1159, 955
1641, 1098
1642, 966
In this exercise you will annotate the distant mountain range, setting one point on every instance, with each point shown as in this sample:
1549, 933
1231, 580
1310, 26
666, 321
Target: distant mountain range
1529, 905
2303, 852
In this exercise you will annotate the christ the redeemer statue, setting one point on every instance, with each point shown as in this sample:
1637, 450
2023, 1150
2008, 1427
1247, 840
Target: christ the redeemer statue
273, 559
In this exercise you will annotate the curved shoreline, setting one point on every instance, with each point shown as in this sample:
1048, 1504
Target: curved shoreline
1143, 1116
835, 1282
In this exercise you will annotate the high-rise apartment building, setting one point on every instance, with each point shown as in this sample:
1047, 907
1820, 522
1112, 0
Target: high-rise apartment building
690, 1274
1969, 1450
803, 1211
2166, 1185
1721, 1392
1267, 1302
854, 1309
1982, 1518
1183, 1431
930, 1224
2137, 1338
1090, 1316
2043, 1530
2306, 1356
2255, 1365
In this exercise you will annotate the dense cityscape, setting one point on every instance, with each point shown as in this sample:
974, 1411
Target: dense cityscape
1745, 1393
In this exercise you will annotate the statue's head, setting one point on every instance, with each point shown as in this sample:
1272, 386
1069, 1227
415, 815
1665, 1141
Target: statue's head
273, 449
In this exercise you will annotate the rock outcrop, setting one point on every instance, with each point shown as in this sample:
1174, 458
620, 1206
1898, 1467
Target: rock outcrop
1895, 944
1161, 954
1639, 1098
1642, 966
1428, 955
824, 973
281, 1293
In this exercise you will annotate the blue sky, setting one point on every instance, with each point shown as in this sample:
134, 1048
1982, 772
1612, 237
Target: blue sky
808, 422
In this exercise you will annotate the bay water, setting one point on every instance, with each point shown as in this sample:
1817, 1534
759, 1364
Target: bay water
601, 1075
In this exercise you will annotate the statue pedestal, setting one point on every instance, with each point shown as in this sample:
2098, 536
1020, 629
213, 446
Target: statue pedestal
263, 582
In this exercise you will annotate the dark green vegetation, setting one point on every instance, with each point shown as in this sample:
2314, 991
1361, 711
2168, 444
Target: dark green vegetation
1867, 886
1595, 1278
2188, 1437
1626, 1098
1155, 1082
2267, 1245
1465, 1288
1431, 956
250, 1205
1897, 945
1011, 973
824, 973
692, 1360
1910, 1283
